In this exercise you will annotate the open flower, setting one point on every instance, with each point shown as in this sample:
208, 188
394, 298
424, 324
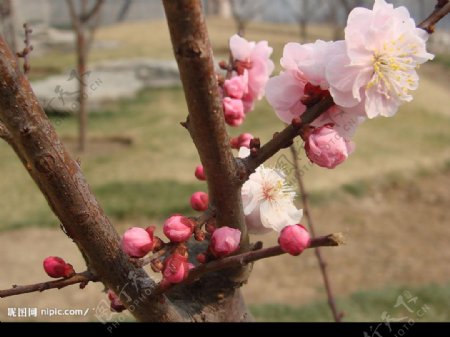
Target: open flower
303, 83
378, 67
253, 60
268, 200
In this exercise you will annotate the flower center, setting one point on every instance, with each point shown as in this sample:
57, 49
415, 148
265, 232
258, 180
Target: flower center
394, 69
270, 191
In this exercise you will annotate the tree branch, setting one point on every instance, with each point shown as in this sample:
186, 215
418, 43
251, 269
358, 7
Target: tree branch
73, 16
243, 259
336, 239
283, 139
61, 181
206, 122
81, 278
441, 10
322, 264
93, 12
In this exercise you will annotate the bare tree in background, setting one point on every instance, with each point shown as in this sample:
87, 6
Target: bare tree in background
244, 11
339, 10
303, 12
124, 10
8, 22
221, 8
84, 25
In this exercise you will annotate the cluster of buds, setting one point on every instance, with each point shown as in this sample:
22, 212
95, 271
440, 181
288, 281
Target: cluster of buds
247, 76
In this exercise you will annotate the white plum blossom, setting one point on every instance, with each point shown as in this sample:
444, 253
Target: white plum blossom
268, 200
378, 68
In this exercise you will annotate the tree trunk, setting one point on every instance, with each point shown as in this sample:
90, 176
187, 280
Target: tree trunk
215, 297
61, 181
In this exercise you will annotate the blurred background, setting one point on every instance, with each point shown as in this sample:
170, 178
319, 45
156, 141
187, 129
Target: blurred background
390, 198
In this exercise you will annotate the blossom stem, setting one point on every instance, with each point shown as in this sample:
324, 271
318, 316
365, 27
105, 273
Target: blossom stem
441, 10
322, 263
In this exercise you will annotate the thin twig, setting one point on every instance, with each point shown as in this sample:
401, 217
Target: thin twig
337, 315
284, 138
27, 50
81, 278
335, 239
85, 17
240, 260
441, 10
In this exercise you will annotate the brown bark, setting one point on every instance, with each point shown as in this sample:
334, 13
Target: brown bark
206, 123
60, 179
207, 128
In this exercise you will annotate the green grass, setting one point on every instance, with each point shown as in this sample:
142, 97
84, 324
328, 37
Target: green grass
365, 306
153, 199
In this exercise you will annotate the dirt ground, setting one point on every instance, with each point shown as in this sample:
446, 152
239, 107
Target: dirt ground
397, 234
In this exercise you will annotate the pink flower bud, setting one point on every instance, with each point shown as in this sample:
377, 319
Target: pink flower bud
56, 267
176, 269
242, 140
116, 304
137, 242
294, 239
225, 241
235, 87
326, 148
200, 173
199, 201
234, 111
178, 228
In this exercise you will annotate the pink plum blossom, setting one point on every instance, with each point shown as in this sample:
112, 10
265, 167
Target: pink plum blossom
199, 201
237, 86
326, 148
294, 239
383, 48
253, 57
303, 83
225, 241
200, 173
137, 242
176, 269
240, 141
56, 267
178, 228
116, 304
234, 111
